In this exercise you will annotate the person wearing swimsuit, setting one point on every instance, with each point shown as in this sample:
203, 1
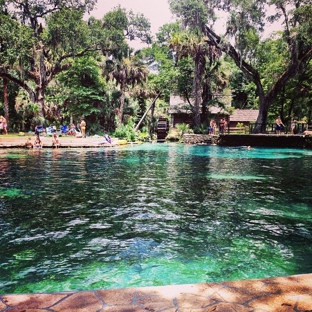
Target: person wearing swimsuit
83, 128
221, 126
278, 126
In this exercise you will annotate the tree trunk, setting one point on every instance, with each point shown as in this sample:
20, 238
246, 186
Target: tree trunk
264, 104
41, 85
122, 103
40, 101
197, 95
206, 98
6, 100
265, 100
260, 126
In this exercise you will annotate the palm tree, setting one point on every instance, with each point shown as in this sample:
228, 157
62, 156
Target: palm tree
188, 44
128, 71
215, 81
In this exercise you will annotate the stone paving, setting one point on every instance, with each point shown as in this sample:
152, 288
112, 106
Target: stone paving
281, 294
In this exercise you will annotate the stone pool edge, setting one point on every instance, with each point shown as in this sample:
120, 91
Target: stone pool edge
288, 293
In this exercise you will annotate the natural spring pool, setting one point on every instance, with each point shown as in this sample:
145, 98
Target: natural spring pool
152, 214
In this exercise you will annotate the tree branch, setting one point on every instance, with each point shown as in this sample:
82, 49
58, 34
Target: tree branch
20, 83
227, 48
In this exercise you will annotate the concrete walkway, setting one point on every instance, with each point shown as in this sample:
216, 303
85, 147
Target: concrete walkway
282, 294
7, 141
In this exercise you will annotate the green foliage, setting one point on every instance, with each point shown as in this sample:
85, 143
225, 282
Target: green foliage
165, 32
185, 76
126, 132
45, 51
192, 45
193, 13
143, 136
162, 75
16, 41
244, 42
183, 128
119, 25
244, 92
11, 192
126, 73
37, 121
83, 88
202, 129
67, 32
139, 28
44, 58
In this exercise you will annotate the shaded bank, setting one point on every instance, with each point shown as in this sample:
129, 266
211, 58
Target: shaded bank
256, 140
260, 140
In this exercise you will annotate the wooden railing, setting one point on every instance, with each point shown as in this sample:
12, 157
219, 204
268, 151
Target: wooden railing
241, 130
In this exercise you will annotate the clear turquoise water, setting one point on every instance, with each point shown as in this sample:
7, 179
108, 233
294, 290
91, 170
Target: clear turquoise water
152, 214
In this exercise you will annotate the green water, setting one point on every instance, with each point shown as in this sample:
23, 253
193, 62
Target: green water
152, 214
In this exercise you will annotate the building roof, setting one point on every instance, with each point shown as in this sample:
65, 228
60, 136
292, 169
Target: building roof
241, 115
179, 105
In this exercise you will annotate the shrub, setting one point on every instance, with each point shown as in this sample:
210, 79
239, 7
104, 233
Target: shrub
183, 128
126, 132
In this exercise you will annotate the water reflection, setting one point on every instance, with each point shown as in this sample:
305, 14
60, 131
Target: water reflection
152, 215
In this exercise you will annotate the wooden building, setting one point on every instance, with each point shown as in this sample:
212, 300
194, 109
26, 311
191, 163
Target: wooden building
243, 116
180, 112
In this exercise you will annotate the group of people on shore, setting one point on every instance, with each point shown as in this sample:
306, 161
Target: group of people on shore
55, 139
212, 129
79, 131
279, 125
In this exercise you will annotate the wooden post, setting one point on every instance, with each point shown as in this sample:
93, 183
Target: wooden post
137, 126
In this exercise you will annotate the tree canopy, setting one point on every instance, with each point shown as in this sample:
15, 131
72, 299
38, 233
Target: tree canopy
60, 59
243, 39
51, 34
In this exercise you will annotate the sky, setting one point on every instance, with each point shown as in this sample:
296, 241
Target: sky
156, 11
